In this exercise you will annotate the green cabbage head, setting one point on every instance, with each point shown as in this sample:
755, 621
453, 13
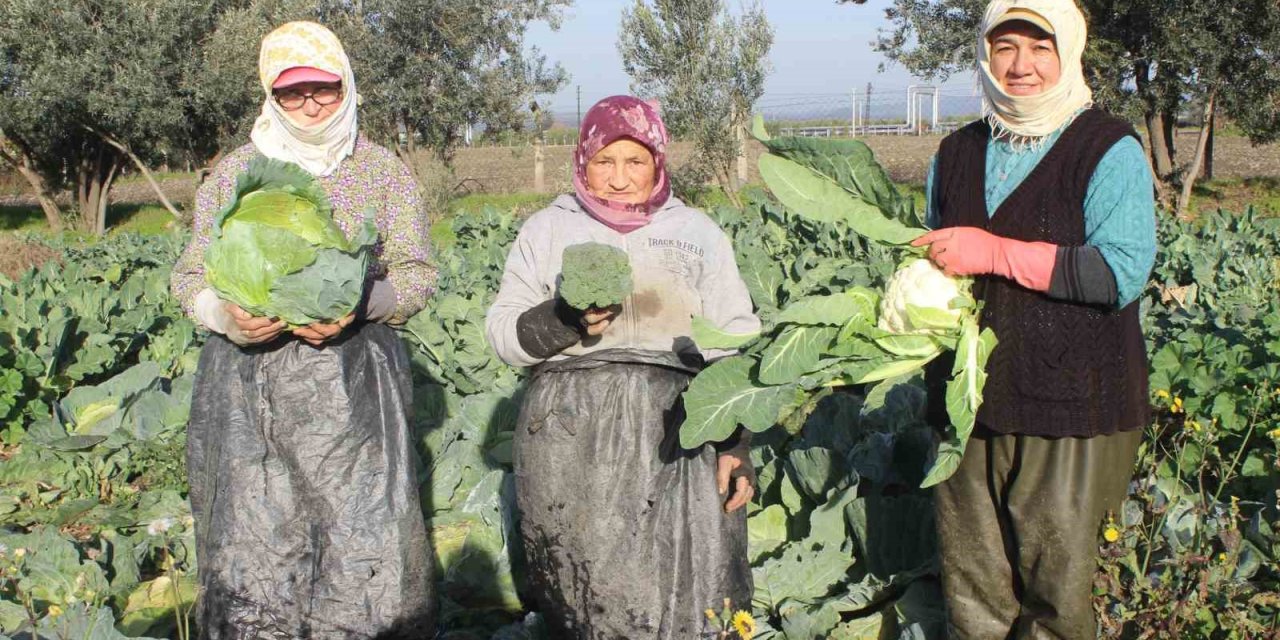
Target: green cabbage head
920, 298
277, 252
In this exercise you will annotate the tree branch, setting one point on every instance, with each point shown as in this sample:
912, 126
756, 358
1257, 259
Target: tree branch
146, 173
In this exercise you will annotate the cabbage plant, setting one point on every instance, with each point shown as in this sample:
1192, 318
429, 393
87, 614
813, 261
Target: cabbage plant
858, 336
277, 252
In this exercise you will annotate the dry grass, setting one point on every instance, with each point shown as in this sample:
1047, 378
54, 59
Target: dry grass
17, 255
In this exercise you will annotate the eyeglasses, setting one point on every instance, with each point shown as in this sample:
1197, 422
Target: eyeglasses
292, 99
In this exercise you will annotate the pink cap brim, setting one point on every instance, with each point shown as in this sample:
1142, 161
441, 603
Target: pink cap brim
299, 75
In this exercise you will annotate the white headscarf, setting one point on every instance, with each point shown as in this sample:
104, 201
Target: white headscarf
1027, 118
321, 148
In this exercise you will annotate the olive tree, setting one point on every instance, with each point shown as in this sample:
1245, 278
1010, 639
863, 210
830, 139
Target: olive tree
89, 89
429, 68
705, 66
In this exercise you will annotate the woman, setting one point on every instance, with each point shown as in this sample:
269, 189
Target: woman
303, 476
627, 535
1049, 202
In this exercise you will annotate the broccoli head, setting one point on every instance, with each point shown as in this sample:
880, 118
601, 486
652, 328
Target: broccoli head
594, 275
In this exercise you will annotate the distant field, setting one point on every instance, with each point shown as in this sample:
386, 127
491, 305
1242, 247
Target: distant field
1243, 173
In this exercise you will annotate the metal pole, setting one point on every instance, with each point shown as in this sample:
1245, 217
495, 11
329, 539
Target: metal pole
935, 108
866, 107
853, 115
579, 107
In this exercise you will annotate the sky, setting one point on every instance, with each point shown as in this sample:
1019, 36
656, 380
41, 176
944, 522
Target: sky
821, 52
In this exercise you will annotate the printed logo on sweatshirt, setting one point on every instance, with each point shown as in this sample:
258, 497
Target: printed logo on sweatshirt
679, 257
671, 243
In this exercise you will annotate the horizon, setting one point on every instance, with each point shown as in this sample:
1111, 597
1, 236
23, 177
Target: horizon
805, 82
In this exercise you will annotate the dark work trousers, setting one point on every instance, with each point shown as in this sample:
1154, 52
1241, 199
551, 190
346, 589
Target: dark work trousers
1018, 530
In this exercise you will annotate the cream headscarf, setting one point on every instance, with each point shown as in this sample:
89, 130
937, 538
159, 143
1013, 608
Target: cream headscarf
320, 148
1027, 118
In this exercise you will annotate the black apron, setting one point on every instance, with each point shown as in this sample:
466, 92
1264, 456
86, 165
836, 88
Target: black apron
624, 531
304, 488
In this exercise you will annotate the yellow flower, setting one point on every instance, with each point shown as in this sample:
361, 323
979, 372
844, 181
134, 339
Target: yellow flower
1193, 426
1222, 557
744, 624
1111, 533
1176, 407
1161, 393
55, 611
711, 615
1274, 433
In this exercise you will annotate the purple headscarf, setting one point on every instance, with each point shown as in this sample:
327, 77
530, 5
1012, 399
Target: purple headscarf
610, 120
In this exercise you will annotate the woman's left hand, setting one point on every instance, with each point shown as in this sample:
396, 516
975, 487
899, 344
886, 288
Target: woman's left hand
736, 468
317, 333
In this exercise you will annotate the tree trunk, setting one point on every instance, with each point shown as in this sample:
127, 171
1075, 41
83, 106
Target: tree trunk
146, 173
96, 173
1160, 160
1208, 153
1153, 119
15, 155
1169, 124
1184, 201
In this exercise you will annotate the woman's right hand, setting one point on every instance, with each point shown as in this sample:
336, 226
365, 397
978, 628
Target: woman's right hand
595, 321
253, 329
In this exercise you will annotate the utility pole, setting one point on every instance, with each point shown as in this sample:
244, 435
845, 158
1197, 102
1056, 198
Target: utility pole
579, 107
866, 107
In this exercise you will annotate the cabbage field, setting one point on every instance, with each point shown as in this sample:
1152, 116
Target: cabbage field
96, 364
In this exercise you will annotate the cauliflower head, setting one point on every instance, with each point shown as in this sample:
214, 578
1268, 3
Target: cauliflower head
920, 284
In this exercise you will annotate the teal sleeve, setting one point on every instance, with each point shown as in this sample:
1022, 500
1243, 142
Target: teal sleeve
1120, 217
932, 218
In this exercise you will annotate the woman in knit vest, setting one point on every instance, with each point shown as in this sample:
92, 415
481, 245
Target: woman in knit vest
1048, 201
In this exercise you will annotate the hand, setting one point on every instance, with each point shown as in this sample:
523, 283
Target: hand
735, 467
970, 251
317, 333
595, 321
250, 329
962, 251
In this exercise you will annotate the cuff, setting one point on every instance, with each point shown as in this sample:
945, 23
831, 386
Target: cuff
548, 329
380, 303
1082, 275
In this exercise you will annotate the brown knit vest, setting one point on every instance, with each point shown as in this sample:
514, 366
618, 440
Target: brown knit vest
1061, 368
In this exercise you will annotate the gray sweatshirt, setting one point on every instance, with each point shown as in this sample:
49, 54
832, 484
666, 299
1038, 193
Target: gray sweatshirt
682, 265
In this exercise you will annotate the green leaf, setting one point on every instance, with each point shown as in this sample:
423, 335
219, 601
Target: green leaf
875, 371
325, 290
795, 352
964, 397
909, 345
724, 396
931, 318
76, 443
766, 531
852, 165
835, 309
816, 197
708, 336
800, 574
150, 606
809, 623
757, 129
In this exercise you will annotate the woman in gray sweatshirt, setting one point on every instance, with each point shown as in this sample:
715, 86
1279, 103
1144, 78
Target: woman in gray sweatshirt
627, 535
